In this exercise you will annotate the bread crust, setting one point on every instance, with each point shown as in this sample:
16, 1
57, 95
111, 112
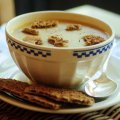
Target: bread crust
17, 88
61, 95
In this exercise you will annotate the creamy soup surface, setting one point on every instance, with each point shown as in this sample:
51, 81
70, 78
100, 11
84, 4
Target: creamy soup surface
74, 38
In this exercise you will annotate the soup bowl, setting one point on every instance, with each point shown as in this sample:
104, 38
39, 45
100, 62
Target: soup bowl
58, 66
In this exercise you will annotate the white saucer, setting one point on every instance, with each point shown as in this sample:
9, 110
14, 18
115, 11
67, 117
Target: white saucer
12, 71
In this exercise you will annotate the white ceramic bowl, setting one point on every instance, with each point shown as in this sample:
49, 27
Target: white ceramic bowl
53, 65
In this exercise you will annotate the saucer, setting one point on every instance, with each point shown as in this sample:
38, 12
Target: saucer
12, 71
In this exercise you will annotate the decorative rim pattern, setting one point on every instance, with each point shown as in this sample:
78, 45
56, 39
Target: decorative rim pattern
93, 52
29, 50
47, 53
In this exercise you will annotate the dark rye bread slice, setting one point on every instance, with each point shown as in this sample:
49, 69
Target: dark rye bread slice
42, 101
13, 86
61, 95
17, 88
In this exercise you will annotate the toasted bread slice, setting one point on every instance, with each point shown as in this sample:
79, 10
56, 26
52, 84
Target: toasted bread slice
61, 95
17, 88
42, 101
13, 86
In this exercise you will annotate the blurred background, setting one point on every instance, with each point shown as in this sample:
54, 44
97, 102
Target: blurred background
11, 8
36, 5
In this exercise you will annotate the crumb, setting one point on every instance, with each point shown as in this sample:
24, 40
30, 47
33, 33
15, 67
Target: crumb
92, 39
36, 39
30, 31
44, 24
38, 42
73, 27
57, 41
